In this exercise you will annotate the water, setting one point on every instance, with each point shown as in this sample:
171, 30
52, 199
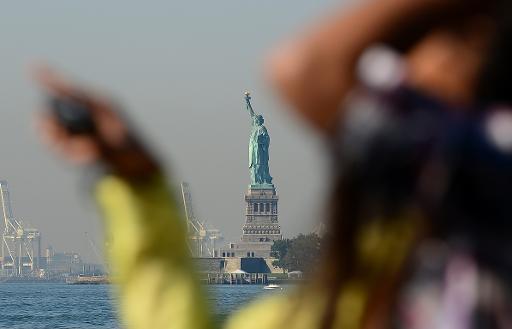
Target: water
55, 306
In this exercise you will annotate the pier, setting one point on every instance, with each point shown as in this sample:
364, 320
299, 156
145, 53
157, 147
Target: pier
236, 278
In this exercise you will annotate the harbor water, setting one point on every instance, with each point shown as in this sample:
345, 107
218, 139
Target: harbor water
55, 305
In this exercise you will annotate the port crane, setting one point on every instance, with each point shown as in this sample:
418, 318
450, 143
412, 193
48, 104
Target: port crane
202, 241
21, 245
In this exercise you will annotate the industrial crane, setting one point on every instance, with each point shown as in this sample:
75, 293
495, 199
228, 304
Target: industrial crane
21, 246
202, 241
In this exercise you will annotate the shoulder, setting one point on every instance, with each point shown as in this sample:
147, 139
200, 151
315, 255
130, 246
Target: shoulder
269, 312
278, 311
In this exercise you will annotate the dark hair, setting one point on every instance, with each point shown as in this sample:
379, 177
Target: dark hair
385, 187
494, 85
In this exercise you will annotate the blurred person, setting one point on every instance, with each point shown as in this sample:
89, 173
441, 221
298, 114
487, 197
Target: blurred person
421, 133
414, 99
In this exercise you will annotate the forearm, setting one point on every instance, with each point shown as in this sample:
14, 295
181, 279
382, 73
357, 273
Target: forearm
315, 72
347, 33
146, 246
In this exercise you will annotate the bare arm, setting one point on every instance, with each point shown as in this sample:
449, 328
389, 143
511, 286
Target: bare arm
314, 73
248, 104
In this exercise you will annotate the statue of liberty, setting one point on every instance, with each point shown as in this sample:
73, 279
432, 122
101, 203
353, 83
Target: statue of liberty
258, 148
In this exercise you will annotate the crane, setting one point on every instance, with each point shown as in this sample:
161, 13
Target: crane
21, 245
202, 241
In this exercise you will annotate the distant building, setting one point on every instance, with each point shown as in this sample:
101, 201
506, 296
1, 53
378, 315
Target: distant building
295, 275
57, 264
63, 262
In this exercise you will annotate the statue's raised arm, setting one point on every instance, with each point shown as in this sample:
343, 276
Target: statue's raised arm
248, 104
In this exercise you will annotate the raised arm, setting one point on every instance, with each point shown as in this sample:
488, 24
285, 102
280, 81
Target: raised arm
248, 104
314, 72
146, 243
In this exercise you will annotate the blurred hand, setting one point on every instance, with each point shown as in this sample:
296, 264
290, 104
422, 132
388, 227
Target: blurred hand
314, 71
112, 143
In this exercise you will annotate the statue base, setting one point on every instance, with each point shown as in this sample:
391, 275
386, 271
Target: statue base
261, 226
261, 216
262, 187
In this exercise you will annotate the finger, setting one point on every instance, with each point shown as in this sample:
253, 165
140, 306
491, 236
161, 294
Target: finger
111, 127
56, 85
78, 150
52, 82
49, 129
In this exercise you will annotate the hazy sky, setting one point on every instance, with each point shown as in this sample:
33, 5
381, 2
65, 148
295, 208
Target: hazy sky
180, 68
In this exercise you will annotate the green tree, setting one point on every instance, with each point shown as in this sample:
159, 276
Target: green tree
298, 254
279, 250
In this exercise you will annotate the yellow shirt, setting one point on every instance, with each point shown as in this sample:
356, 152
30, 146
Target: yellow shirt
156, 285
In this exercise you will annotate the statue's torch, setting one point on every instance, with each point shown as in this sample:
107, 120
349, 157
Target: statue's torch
248, 102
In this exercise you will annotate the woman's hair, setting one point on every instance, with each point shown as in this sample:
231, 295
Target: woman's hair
385, 187
494, 85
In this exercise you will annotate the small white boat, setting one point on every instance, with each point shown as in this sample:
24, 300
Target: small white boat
272, 287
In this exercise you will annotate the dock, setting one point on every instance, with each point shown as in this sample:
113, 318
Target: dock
236, 278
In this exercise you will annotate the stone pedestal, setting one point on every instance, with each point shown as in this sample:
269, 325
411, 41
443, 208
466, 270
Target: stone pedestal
261, 214
261, 226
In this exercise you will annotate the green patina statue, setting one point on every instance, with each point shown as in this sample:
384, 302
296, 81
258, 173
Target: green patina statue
258, 148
